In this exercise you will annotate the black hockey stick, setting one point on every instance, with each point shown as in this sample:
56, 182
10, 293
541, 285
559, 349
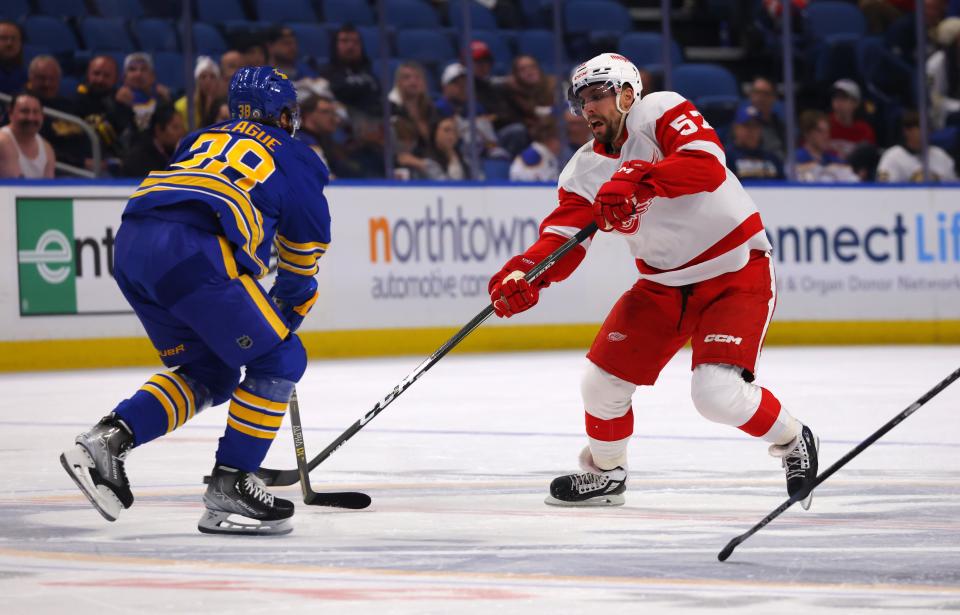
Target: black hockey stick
289, 477
342, 499
727, 550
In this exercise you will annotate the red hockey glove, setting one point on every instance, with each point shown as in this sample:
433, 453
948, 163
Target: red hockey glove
510, 293
624, 196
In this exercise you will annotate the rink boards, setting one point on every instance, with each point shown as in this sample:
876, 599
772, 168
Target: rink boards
409, 265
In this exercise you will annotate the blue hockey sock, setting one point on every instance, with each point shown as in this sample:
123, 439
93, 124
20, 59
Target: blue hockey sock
256, 413
163, 403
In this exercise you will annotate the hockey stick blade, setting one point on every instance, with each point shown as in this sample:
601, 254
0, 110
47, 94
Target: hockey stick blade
289, 477
728, 550
345, 499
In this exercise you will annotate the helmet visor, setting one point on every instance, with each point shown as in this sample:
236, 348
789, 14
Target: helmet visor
587, 94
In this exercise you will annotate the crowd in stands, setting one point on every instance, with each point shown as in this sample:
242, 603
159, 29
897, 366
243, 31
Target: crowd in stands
138, 109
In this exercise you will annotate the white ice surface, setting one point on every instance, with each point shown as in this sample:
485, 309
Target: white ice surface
458, 467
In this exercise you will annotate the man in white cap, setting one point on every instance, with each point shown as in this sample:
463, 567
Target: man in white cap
846, 130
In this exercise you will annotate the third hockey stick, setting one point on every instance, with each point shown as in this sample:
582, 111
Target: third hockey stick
727, 550
289, 477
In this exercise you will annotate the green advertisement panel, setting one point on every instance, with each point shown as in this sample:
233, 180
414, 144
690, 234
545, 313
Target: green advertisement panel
45, 256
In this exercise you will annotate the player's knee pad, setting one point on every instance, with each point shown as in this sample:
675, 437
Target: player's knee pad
212, 381
605, 396
286, 361
721, 394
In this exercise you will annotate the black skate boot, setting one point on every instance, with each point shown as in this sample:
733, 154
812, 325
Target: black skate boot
95, 463
589, 489
243, 496
799, 459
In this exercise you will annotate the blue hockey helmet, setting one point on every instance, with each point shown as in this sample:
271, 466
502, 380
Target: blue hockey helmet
261, 94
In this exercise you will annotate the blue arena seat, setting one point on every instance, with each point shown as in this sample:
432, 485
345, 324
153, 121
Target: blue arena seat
51, 33
539, 44
429, 47
370, 35
644, 48
207, 40
106, 34
14, 10
481, 18
156, 34
128, 9
356, 12
496, 170
61, 8
218, 11
695, 80
411, 14
312, 39
168, 66
827, 18
596, 16
276, 11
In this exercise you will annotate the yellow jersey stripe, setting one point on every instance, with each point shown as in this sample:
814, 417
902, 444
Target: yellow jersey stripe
304, 260
298, 270
265, 305
256, 418
309, 246
248, 248
250, 431
154, 390
229, 262
214, 181
187, 392
177, 397
261, 403
304, 307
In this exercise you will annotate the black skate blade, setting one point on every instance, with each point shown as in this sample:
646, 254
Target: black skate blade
354, 500
83, 489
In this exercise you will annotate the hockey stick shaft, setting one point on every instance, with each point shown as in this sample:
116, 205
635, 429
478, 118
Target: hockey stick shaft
288, 477
727, 550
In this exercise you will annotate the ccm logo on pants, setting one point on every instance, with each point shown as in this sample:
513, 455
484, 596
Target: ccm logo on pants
723, 339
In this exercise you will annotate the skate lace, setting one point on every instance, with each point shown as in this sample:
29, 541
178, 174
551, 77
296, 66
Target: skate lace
257, 489
797, 461
588, 481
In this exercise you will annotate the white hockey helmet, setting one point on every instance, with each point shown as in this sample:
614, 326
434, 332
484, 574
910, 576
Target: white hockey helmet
611, 69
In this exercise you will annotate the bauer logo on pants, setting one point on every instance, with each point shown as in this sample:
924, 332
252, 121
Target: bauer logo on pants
65, 256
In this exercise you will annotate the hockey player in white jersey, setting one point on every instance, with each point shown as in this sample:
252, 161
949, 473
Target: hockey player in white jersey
655, 174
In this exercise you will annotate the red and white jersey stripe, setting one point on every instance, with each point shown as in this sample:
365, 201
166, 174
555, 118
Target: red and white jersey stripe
701, 224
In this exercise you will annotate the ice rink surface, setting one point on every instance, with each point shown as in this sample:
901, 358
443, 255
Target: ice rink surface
458, 468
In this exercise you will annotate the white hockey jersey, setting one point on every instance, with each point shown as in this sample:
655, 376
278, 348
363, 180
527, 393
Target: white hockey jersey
700, 225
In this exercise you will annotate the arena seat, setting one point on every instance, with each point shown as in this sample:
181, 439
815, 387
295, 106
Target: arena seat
128, 9
312, 39
411, 14
429, 47
276, 11
106, 34
644, 48
219, 11
348, 11
481, 18
51, 33
207, 40
61, 8
156, 34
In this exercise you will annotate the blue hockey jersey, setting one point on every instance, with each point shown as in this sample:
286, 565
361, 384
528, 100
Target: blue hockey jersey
262, 185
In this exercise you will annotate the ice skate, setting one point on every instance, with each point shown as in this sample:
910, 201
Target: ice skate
95, 463
238, 503
799, 459
602, 488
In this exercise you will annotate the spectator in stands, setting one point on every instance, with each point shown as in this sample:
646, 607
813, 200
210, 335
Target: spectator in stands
223, 111
13, 75
815, 161
539, 161
230, 62
206, 95
283, 52
140, 90
409, 99
530, 94
943, 74
486, 90
67, 138
578, 133
95, 103
444, 159
745, 157
350, 74
762, 96
318, 124
155, 147
23, 151
901, 163
453, 103
846, 130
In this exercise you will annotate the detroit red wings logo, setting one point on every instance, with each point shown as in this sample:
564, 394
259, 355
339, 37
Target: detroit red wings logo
631, 226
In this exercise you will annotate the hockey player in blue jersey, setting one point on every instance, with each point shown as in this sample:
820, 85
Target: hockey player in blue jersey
194, 240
